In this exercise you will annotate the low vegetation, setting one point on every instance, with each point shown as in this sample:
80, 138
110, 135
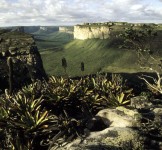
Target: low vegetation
142, 41
51, 113
93, 51
54, 112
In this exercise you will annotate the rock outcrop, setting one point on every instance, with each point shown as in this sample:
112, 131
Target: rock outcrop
101, 30
115, 118
27, 62
130, 127
90, 32
44, 28
18, 29
66, 29
113, 138
48, 29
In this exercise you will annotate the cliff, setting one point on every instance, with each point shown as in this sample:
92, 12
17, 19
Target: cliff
48, 29
89, 32
66, 29
101, 30
27, 62
18, 29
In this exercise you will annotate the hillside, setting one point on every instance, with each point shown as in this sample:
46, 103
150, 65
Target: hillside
97, 55
52, 41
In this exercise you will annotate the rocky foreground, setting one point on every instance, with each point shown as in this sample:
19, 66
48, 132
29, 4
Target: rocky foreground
138, 126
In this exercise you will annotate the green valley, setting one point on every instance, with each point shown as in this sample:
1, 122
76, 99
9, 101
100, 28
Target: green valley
98, 55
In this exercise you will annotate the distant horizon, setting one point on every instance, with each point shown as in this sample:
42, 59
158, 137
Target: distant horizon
72, 12
77, 24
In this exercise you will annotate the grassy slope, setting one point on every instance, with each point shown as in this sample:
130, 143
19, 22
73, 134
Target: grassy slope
53, 41
96, 54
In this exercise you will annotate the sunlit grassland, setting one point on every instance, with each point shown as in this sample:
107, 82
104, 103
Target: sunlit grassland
97, 55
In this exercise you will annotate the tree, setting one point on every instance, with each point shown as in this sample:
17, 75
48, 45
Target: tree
82, 66
142, 41
64, 64
10, 74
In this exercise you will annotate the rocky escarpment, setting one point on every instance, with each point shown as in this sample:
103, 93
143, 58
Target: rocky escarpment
102, 30
18, 29
27, 63
49, 29
67, 29
90, 32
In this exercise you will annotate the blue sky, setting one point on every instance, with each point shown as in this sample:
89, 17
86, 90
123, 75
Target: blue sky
71, 12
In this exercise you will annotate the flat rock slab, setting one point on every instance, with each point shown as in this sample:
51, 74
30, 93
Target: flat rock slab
116, 118
110, 138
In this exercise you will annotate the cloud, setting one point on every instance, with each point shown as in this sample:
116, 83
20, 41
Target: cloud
61, 12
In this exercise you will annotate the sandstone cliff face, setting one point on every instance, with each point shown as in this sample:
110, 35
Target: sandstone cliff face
44, 28
90, 32
27, 63
67, 29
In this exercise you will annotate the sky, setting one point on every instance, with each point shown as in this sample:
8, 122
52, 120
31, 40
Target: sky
72, 12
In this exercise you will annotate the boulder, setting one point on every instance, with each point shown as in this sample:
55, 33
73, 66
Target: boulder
122, 128
117, 118
130, 112
96, 124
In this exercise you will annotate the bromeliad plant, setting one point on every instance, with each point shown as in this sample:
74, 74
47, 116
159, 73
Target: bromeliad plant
69, 129
89, 93
56, 111
24, 121
113, 91
66, 94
